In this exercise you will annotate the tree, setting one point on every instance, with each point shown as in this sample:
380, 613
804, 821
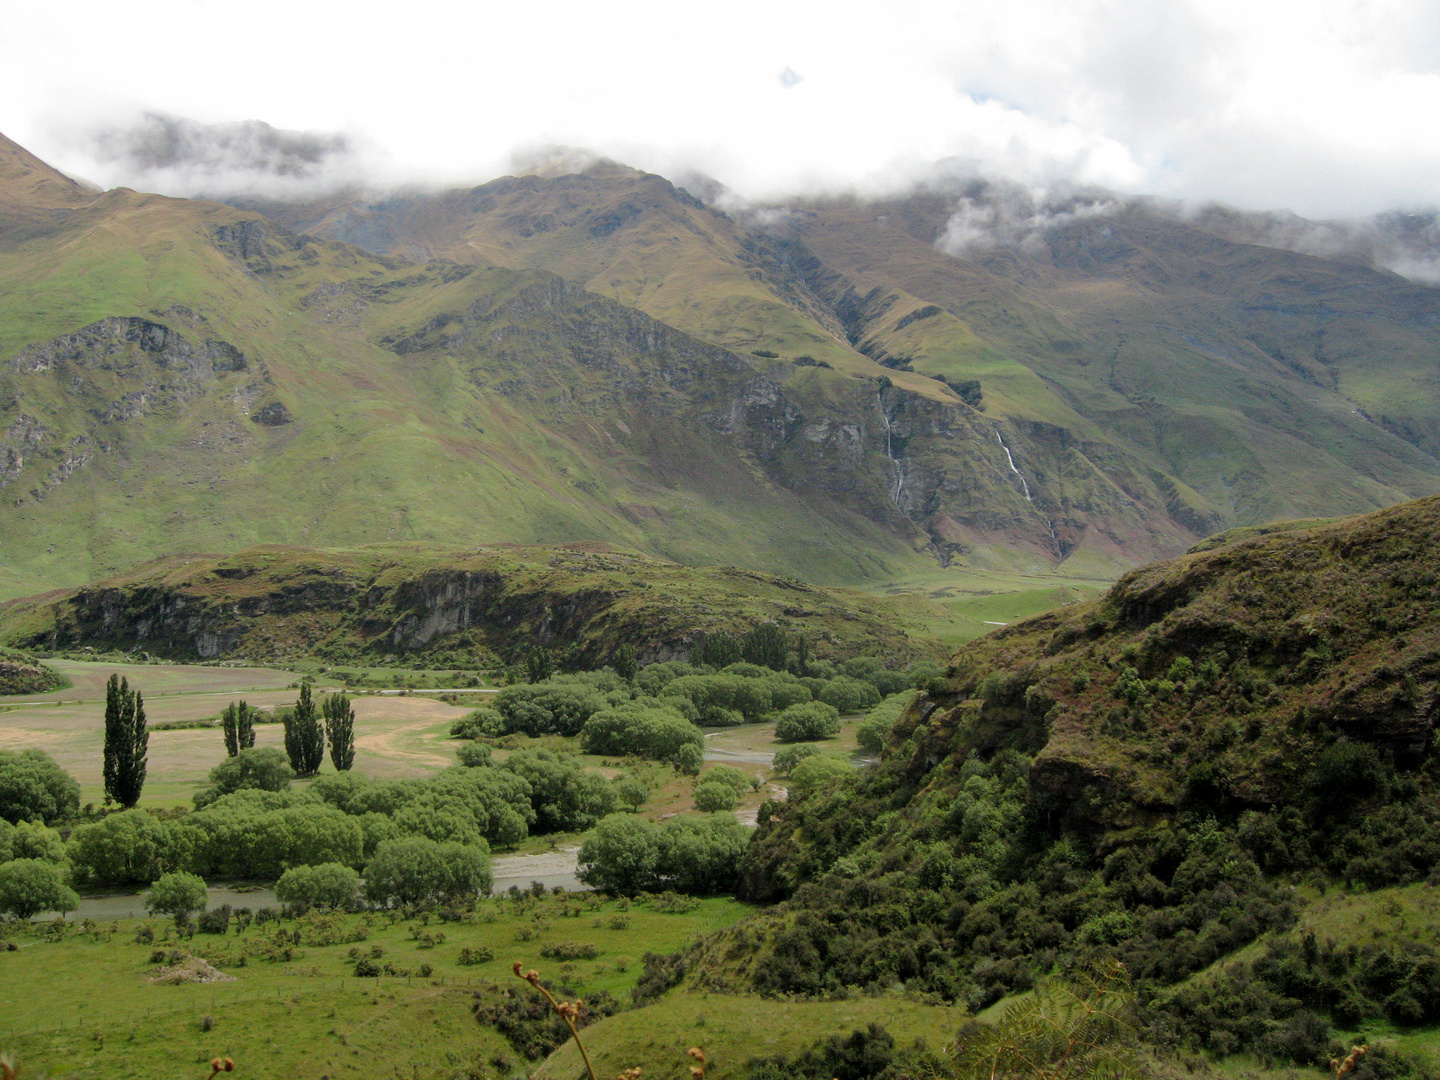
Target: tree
814, 772
766, 646
178, 894
712, 796
304, 737
340, 731
625, 662
265, 769
239, 724
330, 885
802, 655
131, 846
539, 664
126, 742
34, 788
30, 886
808, 722
418, 871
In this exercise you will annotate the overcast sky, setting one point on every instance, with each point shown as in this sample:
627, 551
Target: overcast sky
1325, 107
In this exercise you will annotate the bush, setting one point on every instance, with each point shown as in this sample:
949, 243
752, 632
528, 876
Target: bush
710, 798
476, 954
627, 855
177, 894
265, 769
654, 731
215, 921
482, 723
131, 847
34, 788
848, 695
30, 886
570, 950
805, 723
419, 871
328, 885
814, 772
474, 755
731, 777
564, 797
790, 756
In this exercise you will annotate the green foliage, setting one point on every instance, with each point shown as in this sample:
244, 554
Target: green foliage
483, 722
30, 886
564, 796
24, 675
304, 736
848, 695
126, 743
474, 755
766, 645
539, 664
688, 759
786, 759
245, 835
339, 730
862, 1055
632, 792
178, 894
416, 871
626, 854
624, 662
808, 722
812, 772
34, 788
328, 885
1078, 1027
551, 709
30, 840
129, 848
731, 777
265, 769
645, 729
238, 725
712, 797
529, 1021
717, 650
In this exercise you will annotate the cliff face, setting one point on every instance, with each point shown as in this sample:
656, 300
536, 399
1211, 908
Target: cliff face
460, 607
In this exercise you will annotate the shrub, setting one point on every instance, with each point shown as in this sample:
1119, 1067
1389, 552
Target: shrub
570, 950
711, 797
815, 771
328, 885
848, 695
418, 871
482, 723
730, 776
34, 788
266, 769
474, 755
790, 756
177, 894
654, 731
476, 954
805, 723
129, 847
30, 886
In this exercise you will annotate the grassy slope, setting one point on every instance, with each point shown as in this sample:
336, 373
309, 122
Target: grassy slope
452, 439
91, 1011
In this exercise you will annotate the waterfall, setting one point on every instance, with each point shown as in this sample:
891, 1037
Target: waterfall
899, 465
1011, 459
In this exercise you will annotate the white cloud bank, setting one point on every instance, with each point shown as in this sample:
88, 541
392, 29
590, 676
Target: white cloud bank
1327, 107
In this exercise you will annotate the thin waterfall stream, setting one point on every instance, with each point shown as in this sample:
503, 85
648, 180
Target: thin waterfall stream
1011, 459
899, 465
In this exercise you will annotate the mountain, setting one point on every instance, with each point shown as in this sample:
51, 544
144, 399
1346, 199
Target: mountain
1154, 377
821, 390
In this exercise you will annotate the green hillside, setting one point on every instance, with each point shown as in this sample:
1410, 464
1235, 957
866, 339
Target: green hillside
1152, 378
1175, 775
469, 608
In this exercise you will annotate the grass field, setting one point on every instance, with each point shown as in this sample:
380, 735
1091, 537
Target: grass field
81, 1005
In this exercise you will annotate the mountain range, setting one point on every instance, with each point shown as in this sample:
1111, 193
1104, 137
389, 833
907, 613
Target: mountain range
847, 390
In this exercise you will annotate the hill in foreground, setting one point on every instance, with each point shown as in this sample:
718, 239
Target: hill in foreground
1167, 775
446, 607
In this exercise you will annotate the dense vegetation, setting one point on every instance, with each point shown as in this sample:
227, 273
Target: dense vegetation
1147, 778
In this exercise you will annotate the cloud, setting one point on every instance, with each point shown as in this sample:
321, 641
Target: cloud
1323, 106
180, 156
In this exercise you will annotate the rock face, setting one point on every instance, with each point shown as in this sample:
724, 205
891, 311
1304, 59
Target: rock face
1216, 679
473, 606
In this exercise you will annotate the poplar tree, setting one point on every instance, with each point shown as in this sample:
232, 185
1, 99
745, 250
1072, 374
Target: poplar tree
239, 724
304, 737
126, 743
340, 730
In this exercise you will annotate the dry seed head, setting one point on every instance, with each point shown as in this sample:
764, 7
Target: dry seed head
697, 1054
